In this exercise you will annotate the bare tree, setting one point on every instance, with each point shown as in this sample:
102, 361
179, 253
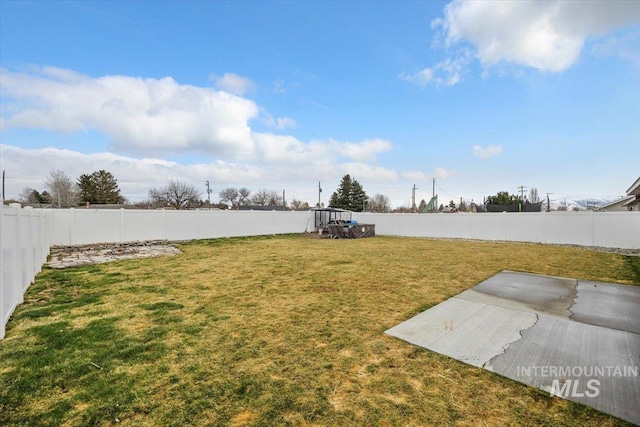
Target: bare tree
298, 205
177, 195
403, 209
244, 196
464, 206
230, 195
533, 195
63, 191
379, 203
266, 197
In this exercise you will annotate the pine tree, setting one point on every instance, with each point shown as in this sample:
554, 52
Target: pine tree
349, 195
101, 187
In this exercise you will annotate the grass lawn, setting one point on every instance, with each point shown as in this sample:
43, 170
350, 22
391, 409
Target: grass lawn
283, 330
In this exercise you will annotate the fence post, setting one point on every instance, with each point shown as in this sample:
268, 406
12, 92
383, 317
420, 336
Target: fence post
164, 224
17, 285
72, 221
29, 261
504, 226
198, 216
2, 273
226, 227
591, 229
121, 234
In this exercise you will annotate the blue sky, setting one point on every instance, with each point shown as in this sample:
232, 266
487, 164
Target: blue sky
482, 96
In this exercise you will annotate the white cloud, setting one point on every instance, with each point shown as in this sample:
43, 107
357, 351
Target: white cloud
288, 149
367, 173
277, 122
138, 115
29, 168
278, 86
285, 122
442, 173
545, 35
421, 78
152, 118
363, 151
234, 84
414, 176
447, 72
626, 47
486, 152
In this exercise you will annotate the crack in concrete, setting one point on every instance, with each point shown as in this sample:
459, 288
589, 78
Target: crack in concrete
487, 364
573, 300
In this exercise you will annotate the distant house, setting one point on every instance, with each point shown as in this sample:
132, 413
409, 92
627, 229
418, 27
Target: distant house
634, 191
631, 202
261, 208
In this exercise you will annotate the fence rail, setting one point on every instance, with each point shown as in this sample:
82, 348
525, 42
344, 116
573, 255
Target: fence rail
26, 235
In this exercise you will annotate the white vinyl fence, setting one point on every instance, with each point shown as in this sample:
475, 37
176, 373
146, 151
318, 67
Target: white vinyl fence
27, 234
84, 226
25, 242
605, 229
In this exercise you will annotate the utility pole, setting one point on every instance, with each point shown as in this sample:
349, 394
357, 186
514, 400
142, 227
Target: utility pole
319, 191
433, 192
284, 203
548, 203
521, 202
522, 188
413, 198
3, 172
208, 196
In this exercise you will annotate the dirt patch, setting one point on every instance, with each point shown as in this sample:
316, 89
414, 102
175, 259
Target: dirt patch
75, 256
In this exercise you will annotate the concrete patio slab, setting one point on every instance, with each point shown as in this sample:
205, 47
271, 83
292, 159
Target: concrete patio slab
528, 292
593, 365
609, 305
578, 340
452, 328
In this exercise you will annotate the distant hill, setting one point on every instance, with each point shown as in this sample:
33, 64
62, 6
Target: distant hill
579, 204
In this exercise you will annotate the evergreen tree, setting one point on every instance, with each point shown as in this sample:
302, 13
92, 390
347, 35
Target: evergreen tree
358, 198
86, 188
349, 195
32, 197
101, 187
502, 198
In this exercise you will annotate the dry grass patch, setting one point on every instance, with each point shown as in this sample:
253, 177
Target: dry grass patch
272, 331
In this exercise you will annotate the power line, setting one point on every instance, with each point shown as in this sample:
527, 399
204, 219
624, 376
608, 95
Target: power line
440, 188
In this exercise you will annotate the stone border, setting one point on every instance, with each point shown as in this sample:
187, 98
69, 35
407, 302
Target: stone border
78, 255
